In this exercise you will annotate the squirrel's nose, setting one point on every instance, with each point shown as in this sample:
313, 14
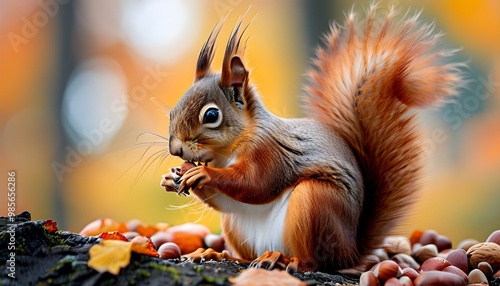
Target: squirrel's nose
175, 147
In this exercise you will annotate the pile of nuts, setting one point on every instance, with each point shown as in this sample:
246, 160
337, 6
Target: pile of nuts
170, 242
427, 258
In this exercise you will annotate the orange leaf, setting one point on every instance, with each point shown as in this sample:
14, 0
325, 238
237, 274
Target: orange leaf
253, 276
50, 226
110, 255
187, 242
113, 236
122, 228
147, 230
98, 226
144, 245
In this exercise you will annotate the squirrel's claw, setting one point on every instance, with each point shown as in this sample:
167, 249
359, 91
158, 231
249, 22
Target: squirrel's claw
202, 255
276, 260
195, 177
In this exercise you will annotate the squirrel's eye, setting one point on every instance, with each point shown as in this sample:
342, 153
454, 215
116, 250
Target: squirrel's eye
211, 116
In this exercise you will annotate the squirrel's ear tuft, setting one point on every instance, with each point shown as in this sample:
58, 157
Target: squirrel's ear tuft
207, 53
231, 58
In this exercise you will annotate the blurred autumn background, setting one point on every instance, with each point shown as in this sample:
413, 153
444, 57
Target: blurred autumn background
86, 85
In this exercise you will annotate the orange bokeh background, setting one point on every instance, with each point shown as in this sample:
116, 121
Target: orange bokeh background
461, 197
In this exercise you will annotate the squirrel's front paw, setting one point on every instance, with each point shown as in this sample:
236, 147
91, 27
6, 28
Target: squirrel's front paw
196, 177
171, 181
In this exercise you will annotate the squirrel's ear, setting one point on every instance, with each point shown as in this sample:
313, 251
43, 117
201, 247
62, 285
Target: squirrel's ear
239, 74
207, 54
233, 70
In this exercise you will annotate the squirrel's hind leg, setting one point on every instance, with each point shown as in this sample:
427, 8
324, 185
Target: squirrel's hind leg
320, 226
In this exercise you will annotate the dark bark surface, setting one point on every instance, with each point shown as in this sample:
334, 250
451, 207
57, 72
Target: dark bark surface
60, 258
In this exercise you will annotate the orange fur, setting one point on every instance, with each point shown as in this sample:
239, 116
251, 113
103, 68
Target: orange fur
319, 225
364, 84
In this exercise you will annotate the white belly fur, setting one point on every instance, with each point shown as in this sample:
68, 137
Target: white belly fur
261, 225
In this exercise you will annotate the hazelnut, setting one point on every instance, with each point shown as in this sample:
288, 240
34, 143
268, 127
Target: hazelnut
169, 250
494, 237
407, 259
425, 252
477, 277
442, 242
410, 272
467, 243
405, 281
458, 258
387, 269
438, 278
393, 281
214, 241
397, 244
485, 267
434, 263
455, 270
429, 237
368, 279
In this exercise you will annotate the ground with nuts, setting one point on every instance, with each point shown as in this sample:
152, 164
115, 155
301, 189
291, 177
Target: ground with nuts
60, 258
45, 255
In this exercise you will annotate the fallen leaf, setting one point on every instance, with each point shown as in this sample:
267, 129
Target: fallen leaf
147, 230
143, 245
110, 256
50, 226
262, 277
122, 228
101, 225
112, 236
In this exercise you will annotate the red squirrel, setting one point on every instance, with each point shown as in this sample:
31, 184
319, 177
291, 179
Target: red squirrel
322, 192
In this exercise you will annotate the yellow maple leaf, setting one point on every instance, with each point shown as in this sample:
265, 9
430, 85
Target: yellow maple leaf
110, 255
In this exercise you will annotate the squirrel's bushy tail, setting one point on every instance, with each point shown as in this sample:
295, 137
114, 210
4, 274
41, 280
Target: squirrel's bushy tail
366, 79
